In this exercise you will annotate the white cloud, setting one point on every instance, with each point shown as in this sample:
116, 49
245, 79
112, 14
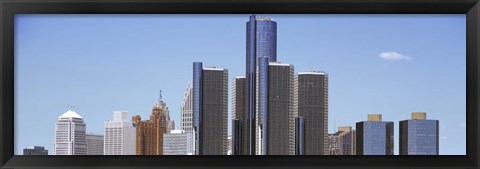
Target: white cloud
443, 137
393, 56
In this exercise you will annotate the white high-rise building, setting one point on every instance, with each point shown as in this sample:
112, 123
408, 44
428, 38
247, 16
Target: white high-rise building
70, 135
186, 111
178, 142
94, 144
119, 135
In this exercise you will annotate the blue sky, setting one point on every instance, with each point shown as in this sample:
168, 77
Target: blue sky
387, 64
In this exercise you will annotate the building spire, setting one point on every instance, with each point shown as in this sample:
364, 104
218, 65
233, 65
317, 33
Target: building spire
160, 96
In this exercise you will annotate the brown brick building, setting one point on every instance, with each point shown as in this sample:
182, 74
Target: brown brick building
149, 137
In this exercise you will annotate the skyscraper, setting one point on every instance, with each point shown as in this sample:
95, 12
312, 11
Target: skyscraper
162, 124
178, 142
186, 111
311, 97
35, 150
261, 42
276, 124
374, 137
149, 133
239, 124
70, 135
94, 144
119, 135
210, 108
419, 136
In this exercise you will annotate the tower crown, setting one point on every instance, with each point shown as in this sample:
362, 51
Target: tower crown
70, 113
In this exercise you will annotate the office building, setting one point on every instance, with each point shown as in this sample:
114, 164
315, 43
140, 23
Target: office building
347, 139
119, 136
261, 42
239, 124
186, 111
311, 100
149, 133
35, 150
94, 144
161, 118
419, 135
275, 113
145, 139
70, 135
210, 109
374, 137
342, 142
178, 142
334, 144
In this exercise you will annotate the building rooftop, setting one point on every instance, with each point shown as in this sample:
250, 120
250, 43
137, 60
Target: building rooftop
213, 68
177, 131
345, 128
263, 19
419, 116
70, 113
278, 64
374, 117
312, 73
35, 147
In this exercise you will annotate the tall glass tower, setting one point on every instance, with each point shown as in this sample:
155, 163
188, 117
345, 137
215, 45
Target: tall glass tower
261, 42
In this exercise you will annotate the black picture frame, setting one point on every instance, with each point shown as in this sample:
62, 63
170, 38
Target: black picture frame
8, 9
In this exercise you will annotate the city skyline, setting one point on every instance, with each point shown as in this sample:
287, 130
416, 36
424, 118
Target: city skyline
383, 54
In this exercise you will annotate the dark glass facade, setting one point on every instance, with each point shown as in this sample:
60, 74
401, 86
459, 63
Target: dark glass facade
266, 38
299, 136
250, 86
262, 101
374, 138
237, 137
312, 102
261, 42
281, 120
197, 105
419, 137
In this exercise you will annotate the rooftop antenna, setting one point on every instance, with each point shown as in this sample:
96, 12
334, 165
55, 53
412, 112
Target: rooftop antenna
160, 97
334, 124
71, 107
